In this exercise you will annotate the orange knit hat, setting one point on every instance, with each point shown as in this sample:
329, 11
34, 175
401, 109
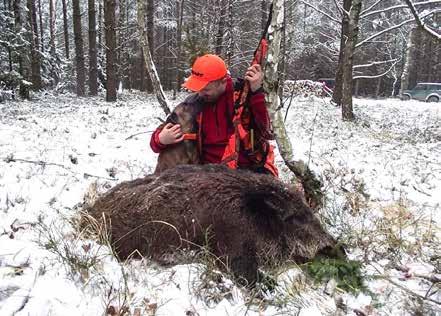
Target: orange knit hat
205, 69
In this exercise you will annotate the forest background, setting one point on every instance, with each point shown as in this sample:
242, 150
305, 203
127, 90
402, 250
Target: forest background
87, 46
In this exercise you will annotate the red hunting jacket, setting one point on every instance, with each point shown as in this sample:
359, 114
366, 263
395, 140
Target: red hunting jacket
217, 126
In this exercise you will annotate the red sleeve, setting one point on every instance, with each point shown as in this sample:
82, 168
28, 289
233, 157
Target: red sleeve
155, 144
259, 110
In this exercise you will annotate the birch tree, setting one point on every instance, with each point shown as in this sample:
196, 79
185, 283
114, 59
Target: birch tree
309, 182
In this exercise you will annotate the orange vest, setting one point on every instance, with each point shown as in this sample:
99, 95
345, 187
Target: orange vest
258, 149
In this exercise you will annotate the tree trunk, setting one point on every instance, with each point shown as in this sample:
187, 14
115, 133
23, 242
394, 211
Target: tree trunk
264, 14
410, 62
93, 67
230, 35
338, 88
151, 36
122, 37
22, 54
308, 180
52, 26
40, 17
110, 34
271, 82
11, 26
179, 15
148, 58
142, 73
35, 44
79, 53
65, 29
346, 102
100, 25
221, 27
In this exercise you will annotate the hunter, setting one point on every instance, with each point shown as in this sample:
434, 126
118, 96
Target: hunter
235, 136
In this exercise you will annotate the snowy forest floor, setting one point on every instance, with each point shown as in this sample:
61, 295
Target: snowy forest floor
381, 176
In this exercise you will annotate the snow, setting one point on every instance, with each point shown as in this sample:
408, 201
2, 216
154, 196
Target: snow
53, 149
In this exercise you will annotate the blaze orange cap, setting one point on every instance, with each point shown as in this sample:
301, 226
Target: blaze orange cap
205, 69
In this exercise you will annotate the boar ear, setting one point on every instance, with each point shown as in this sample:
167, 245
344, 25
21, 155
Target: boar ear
266, 204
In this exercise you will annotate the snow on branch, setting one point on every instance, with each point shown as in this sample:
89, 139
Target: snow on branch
419, 21
375, 63
322, 12
393, 28
380, 75
383, 32
366, 12
370, 8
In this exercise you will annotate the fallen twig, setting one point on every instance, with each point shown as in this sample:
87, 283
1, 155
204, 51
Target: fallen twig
131, 136
86, 175
405, 289
42, 163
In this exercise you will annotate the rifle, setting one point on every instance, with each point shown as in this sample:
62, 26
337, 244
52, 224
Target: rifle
258, 58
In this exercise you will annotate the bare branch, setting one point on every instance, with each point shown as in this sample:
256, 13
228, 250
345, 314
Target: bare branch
370, 8
366, 12
322, 12
383, 32
375, 63
393, 28
419, 21
380, 75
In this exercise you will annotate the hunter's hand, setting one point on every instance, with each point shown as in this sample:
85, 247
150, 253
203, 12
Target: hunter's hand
254, 75
171, 134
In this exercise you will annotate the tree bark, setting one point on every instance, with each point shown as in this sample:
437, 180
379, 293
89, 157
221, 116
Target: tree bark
35, 45
100, 26
410, 62
230, 35
79, 52
11, 27
109, 25
93, 67
264, 14
148, 58
151, 36
40, 18
346, 104
338, 88
221, 27
65, 29
122, 65
271, 83
52, 27
310, 184
180, 16
22, 55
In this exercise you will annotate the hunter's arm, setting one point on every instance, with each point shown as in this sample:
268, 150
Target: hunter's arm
259, 110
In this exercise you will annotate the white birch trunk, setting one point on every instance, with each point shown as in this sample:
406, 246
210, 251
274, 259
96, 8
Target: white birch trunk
311, 185
271, 83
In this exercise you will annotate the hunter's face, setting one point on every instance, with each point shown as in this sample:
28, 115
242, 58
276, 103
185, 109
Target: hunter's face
212, 91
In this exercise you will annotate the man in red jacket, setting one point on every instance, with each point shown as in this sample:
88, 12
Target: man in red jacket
214, 88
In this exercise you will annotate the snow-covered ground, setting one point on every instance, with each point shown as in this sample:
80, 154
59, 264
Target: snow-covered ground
381, 175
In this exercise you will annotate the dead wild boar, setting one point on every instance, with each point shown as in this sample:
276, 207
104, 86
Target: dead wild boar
244, 218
